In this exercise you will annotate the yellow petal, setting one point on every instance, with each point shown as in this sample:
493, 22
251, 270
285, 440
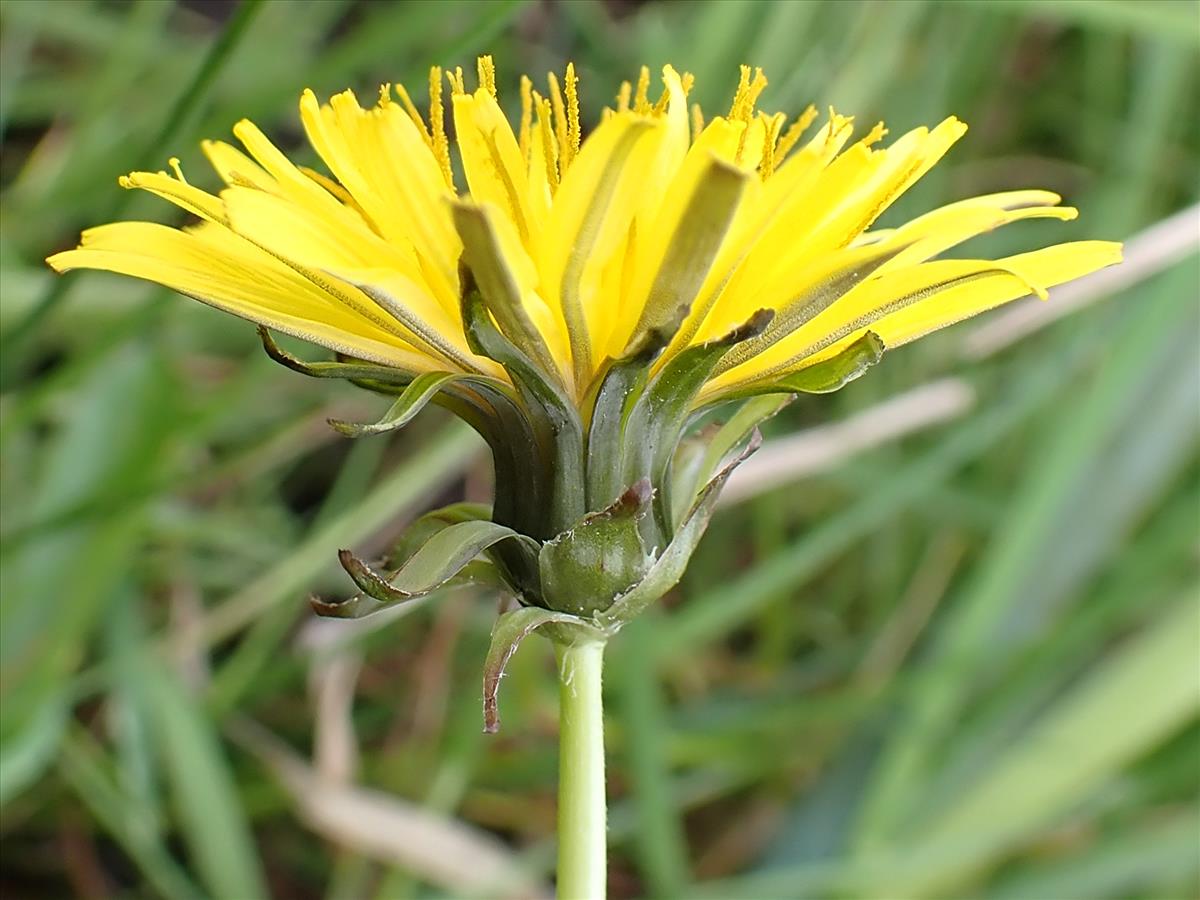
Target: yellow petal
507, 278
906, 304
236, 277
842, 217
763, 230
950, 226
331, 255
235, 167
671, 146
194, 200
1000, 202
660, 172
422, 322
296, 232
589, 220
845, 199
687, 236
382, 159
1046, 268
768, 273
493, 164
293, 183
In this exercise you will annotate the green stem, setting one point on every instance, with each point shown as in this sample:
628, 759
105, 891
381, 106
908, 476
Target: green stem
582, 821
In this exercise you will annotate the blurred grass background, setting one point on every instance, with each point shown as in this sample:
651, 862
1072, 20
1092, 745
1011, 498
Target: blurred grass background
959, 661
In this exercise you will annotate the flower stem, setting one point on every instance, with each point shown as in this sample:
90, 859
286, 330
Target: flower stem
582, 820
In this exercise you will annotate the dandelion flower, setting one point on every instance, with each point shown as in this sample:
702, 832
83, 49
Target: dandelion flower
657, 222
580, 300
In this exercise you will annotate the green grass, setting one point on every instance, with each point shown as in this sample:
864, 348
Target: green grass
958, 665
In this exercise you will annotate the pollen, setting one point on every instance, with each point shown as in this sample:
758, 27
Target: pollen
875, 135
571, 85
747, 95
641, 102
795, 132
561, 124
487, 74
772, 125
526, 127
549, 145
623, 95
437, 123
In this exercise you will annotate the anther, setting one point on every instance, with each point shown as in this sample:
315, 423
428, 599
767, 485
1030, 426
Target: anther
794, 132
571, 84
487, 74
437, 123
697, 122
623, 96
526, 128
560, 121
641, 102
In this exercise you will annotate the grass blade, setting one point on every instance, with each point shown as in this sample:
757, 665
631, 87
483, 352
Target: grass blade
210, 813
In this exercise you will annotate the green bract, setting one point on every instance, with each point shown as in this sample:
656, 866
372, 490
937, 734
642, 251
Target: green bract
598, 504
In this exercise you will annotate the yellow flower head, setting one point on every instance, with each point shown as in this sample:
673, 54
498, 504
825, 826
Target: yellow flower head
658, 220
577, 300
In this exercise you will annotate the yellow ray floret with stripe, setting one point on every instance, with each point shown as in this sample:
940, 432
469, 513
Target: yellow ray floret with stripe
657, 219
